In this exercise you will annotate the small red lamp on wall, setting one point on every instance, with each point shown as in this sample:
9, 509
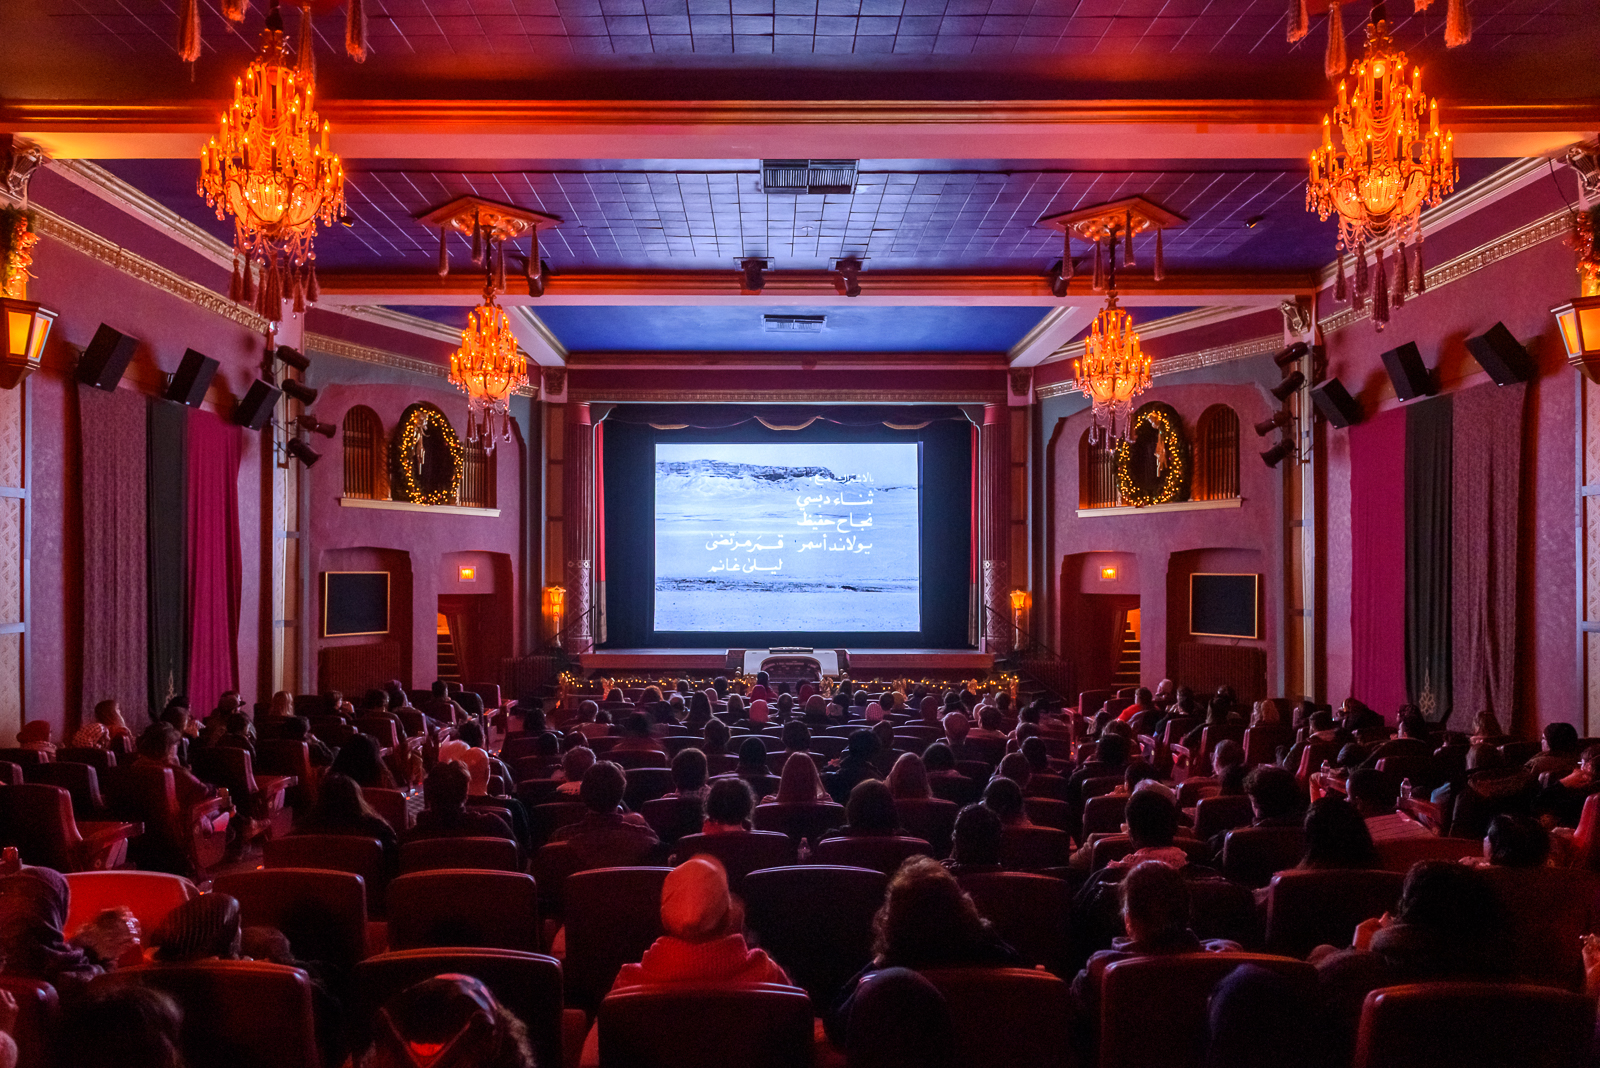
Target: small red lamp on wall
1108, 573
553, 606
1021, 601
27, 328
1579, 320
466, 573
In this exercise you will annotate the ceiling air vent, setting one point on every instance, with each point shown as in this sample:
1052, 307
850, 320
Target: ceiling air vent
793, 324
808, 176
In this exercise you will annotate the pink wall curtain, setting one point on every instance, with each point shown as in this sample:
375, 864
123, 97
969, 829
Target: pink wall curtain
1486, 510
215, 567
112, 432
1378, 562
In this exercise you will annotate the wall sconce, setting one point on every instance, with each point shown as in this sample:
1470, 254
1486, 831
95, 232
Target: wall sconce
552, 606
1108, 573
466, 573
1580, 333
27, 328
1021, 601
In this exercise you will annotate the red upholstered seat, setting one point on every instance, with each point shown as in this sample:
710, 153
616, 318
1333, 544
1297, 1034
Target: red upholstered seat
612, 916
38, 820
673, 817
79, 780
1261, 742
883, 853
323, 914
1214, 735
149, 895
485, 854
1306, 909
391, 805
1089, 701
646, 784
740, 854
1474, 1025
287, 757
186, 842
1253, 855
98, 759
1031, 912
1006, 1016
819, 947
334, 852
637, 758
1032, 848
529, 984
1132, 1032
799, 821
955, 788
1213, 815
490, 909
38, 1012
236, 1014
931, 819
1101, 815
1398, 854
544, 819
24, 757
263, 798
1546, 912
661, 1027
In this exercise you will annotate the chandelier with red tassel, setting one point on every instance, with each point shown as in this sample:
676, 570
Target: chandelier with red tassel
270, 168
488, 367
1382, 160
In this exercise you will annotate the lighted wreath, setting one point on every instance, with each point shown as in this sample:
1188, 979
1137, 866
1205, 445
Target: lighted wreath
1164, 476
426, 456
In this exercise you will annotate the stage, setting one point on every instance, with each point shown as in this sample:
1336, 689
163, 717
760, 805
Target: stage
858, 663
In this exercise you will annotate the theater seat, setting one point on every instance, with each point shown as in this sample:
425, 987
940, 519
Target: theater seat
391, 805
323, 914
612, 916
932, 819
1546, 912
646, 784
1398, 854
819, 945
544, 819
1101, 815
78, 780
334, 852
740, 854
149, 895
1134, 1033
38, 1013
1033, 848
1117, 846
261, 798
799, 821
1474, 1025
236, 1014
1006, 1016
1253, 855
1307, 909
673, 817
707, 1027
185, 842
880, 853
484, 854
98, 759
528, 984
488, 909
38, 820
1031, 912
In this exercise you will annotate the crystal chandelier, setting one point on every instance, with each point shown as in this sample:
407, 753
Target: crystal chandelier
488, 369
1111, 373
1378, 167
270, 168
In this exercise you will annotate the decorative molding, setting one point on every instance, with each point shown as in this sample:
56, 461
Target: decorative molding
1171, 506
782, 396
97, 248
22, 158
93, 178
411, 506
349, 350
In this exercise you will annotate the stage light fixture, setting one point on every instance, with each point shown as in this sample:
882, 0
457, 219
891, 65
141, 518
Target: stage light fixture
754, 278
293, 357
1288, 387
313, 425
1057, 278
1293, 354
1267, 426
849, 270
1278, 453
304, 394
298, 448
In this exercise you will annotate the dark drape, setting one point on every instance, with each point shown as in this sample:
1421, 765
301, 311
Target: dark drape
781, 417
215, 568
1378, 560
1488, 458
112, 434
1428, 652
166, 489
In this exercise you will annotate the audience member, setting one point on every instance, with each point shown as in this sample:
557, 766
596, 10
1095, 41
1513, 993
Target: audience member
854, 766
158, 747
869, 812
689, 771
1516, 842
575, 764
728, 807
203, 928
35, 735
975, 842
1004, 798
908, 778
444, 808
342, 809
1337, 836
33, 910
1374, 794
125, 1025
447, 1020
104, 729
1561, 798
358, 758
801, 783
605, 830
298, 729
1561, 750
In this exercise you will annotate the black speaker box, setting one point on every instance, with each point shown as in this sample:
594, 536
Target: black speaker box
1408, 373
1336, 404
106, 358
191, 380
256, 408
1501, 355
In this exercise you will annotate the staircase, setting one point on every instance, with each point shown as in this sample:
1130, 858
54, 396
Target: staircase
1128, 664
449, 669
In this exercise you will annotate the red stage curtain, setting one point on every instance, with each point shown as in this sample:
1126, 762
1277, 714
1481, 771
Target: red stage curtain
215, 567
600, 530
112, 431
1378, 561
1488, 458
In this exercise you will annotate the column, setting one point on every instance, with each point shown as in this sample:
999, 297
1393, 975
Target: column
578, 511
994, 528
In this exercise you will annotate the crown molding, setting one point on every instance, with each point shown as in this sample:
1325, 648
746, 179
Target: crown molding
785, 396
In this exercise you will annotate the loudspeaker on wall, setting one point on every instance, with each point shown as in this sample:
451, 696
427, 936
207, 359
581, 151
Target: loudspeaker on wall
256, 408
191, 380
1499, 353
1336, 404
106, 358
1408, 373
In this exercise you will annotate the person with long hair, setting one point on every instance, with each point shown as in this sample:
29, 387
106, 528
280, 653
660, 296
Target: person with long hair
359, 758
341, 808
1336, 836
908, 779
456, 1020
800, 783
126, 1025
869, 813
